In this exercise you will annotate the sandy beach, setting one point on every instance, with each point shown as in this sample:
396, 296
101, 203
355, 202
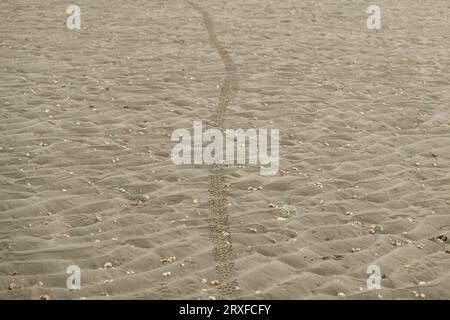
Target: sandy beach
87, 180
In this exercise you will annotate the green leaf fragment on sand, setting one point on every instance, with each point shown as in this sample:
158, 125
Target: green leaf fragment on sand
288, 212
408, 60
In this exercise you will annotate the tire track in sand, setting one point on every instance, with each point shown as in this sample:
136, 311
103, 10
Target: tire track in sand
218, 214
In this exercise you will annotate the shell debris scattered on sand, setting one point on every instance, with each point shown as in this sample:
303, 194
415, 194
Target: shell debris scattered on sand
419, 295
361, 173
167, 260
373, 229
212, 282
13, 286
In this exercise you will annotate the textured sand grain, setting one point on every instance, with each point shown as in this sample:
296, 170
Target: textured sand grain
85, 123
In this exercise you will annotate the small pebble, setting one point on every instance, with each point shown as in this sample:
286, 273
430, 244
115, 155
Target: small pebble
107, 265
13, 286
341, 294
44, 297
215, 282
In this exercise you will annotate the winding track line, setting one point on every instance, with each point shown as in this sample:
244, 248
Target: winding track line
218, 214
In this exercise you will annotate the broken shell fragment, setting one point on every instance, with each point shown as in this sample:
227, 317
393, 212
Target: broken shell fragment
167, 260
13, 286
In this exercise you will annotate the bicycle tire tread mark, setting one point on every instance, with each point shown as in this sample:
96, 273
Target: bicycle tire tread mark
218, 214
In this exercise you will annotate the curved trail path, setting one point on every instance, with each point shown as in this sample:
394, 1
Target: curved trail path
219, 217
